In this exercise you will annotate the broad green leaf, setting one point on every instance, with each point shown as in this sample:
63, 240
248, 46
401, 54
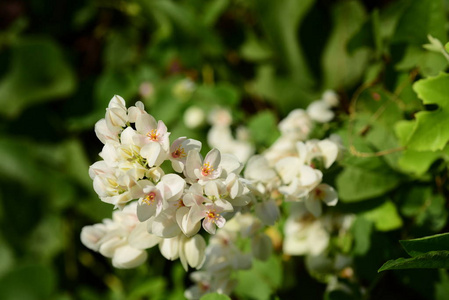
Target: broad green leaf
429, 63
342, 69
38, 73
385, 217
254, 49
420, 246
419, 19
281, 21
427, 209
412, 161
215, 296
263, 127
260, 281
431, 129
429, 260
357, 184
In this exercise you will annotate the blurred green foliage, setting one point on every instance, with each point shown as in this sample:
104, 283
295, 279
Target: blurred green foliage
62, 61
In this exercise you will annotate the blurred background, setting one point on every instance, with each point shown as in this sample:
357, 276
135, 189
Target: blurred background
62, 61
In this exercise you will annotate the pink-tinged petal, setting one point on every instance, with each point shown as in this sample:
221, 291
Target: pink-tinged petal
220, 221
127, 257
213, 158
145, 123
161, 128
209, 226
139, 237
313, 205
188, 227
176, 143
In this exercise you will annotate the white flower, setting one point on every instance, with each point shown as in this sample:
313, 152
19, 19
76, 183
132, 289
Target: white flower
194, 117
151, 131
220, 117
124, 238
179, 150
330, 98
153, 198
322, 193
297, 125
304, 235
116, 114
104, 133
209, 169
135, 111
320, 111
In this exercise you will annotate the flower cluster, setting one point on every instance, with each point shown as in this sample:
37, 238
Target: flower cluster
170, 206
169, 209
223, 255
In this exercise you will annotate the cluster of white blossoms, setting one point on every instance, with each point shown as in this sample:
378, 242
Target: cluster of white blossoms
223, 255
169, 210
172, 207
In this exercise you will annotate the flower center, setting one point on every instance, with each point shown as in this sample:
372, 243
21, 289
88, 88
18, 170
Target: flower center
153, 135
179, 203
179, 153
212, 215
207, 169
149, 199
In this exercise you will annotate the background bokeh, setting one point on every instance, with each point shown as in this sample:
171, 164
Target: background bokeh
62, 61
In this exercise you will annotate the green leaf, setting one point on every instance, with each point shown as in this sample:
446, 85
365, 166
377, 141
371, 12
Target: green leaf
429, 260
357, 184
215, 296
38, 73
343, 69
260, 281
362, 229
419, 19
427, 208
385, 217
263, 128
420, 246
430, 131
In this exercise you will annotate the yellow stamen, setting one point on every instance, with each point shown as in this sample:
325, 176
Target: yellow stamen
153, 135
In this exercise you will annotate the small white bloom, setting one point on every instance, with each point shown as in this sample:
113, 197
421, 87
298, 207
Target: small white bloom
194, 117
